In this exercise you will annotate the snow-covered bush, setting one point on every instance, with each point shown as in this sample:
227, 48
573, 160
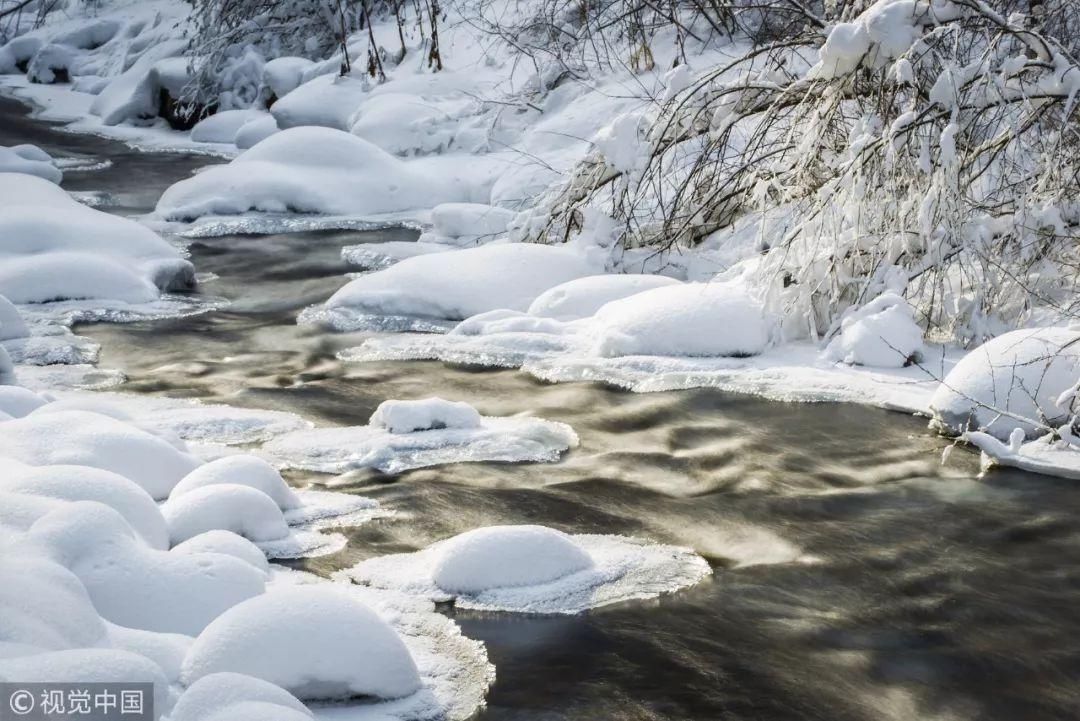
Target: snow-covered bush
881, 333
932, 143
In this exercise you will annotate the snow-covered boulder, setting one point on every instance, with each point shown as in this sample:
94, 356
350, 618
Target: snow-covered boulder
284, 75
1012, 381
241, 470
54, 248
15, 56
327, 101
135, 94
229, 507
81, 483
424, 415
222, 127
882, 333
307, 170
136, 586
227, 543
458, 284
403, 124
12, 325
31, 160
91, 439
255, 131
52, 64
534, 569
43, 606
581, 298
317, 643
235, 697
89, 666
690, 319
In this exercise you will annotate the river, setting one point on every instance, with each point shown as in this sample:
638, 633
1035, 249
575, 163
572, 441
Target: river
855, 577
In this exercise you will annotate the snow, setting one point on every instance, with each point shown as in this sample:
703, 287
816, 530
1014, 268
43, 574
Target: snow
1047, 455
98, 441
55, 248
452, 285
692, 319
881, 333
424, 415
285, 74
12, 325
506, 557
133, 95
241, 470
532, 569
222, 127
17, 401
377, 256
316, 643
227, 543
136, 586
31, 160
255, 131
327, 101
43, 605
1012, 381
167, 650
81, 483
581, 298
224, 506
306, 170
230, 696
505, 440
456, 220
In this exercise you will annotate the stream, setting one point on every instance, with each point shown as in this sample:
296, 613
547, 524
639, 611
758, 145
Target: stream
855, 577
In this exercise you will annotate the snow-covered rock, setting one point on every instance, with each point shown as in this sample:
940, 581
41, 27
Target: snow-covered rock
227, 543
284, 75
581, 298
31, 160
403, 124
306, 170
229, 507
81, 483
229, 696
424, 415
242, 470
317, 643
91, 439
19, 52
691, 319
52, 64
454, 285
136, 586
882, 333
1012, 381
255, 131
134, 94
54, 248
506, 440
12, 325
534, 569
222, 127
327, 101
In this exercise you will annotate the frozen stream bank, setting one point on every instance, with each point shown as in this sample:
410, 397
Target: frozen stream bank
855, 578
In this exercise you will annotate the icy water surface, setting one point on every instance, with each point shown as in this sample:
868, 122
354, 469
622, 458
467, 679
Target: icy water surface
854, 577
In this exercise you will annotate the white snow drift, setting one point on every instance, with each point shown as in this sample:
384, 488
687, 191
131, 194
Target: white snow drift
535, 569
31, 160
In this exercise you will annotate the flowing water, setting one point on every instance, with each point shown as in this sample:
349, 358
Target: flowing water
855, 578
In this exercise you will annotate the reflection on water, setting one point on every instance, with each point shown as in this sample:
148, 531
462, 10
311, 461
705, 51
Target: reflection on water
855, 578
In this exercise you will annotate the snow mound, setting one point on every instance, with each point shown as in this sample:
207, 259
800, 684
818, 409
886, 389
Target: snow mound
31, 160
255, 131
424, 415
235, 697
691, 319
81, 483
316, 643
167, 650
581, 298
54, 248
507, 440
227, 543
89, 665
91, 439
229, 507
136, 586
43, 606
1011, 381
19, 52
135, 94
12, 325
243, 470
327, 101
453, 285
532, 569
881, 333
17, 401
306, 170
284, 75
470, 220
222, 127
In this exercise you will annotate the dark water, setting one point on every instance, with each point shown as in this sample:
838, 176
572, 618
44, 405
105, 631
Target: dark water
854, 577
